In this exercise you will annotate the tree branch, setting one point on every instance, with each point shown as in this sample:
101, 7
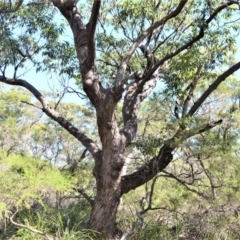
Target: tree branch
12, 10
88, 143
191, 42
85, 46
149, 207
91, 26
171, 35
158, 163
148, 171
33, 105
204, 128
123, 66
28, 228
136, 93
86, 196
170, 175
209, 176
190, 89
212, 87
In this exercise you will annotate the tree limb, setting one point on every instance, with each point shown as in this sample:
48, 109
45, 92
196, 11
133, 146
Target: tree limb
86, 196
191, 42
190, 89
88, 143
136, 93
158, 163
204, 128
148, 171
123, 66
212, 87
91, 26
85, 46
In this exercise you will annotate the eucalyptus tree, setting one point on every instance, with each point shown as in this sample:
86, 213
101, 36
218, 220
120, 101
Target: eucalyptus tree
121, 51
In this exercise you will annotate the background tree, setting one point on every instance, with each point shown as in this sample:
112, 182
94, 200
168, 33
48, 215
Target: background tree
124, 49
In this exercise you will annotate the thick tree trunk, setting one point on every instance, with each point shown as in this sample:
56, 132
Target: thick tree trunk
108, 173
103, 215
108, 180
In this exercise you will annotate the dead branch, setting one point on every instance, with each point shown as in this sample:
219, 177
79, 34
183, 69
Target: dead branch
20, 225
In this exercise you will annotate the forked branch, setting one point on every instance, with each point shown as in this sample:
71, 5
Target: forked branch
195, 39
138, 41
201, 194
159, 162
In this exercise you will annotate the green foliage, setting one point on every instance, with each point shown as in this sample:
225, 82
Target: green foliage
67, 223
154, 230
11, 104
25, 180
149, 146
32, 36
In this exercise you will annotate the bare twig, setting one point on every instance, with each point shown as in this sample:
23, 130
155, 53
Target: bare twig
79, 94
149, 207
31, 104
209, 176
20, 225
170, 175
60, 98
86, 196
